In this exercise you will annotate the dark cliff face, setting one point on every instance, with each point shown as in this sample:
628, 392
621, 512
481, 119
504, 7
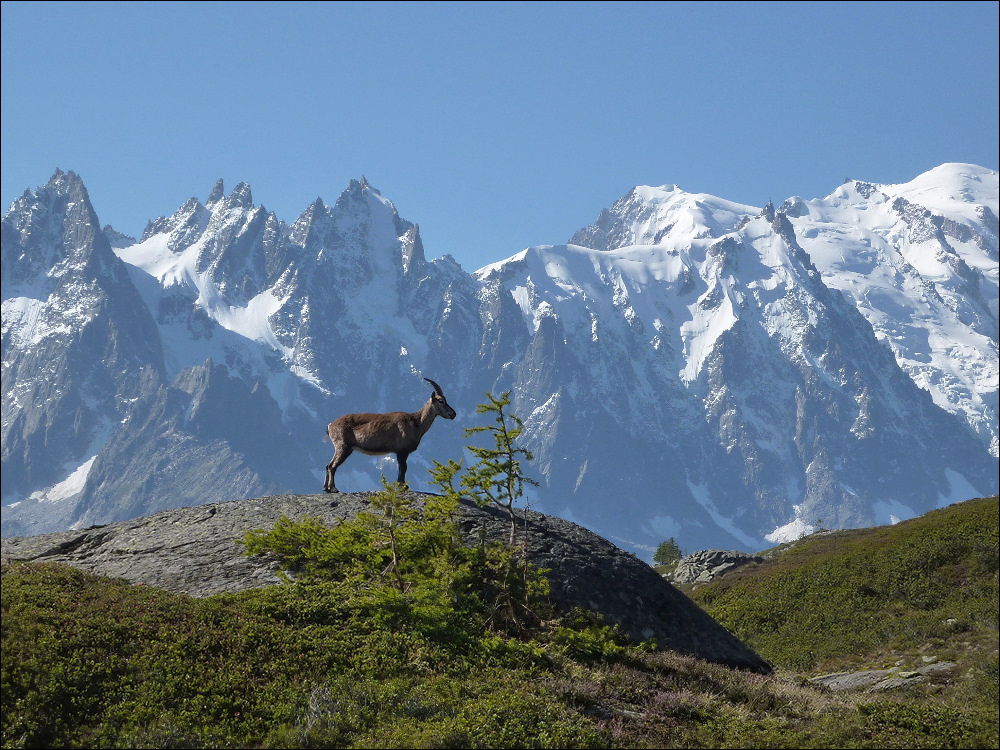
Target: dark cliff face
195, 551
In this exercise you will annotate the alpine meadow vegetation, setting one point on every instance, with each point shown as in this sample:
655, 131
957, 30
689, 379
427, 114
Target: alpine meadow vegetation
389, 631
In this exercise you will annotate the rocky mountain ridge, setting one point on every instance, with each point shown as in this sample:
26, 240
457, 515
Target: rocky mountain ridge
697, 372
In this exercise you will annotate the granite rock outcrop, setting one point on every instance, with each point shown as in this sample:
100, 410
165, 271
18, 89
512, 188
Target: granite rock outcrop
197, 551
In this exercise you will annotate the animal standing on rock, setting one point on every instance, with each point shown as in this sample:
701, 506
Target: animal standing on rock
396, 432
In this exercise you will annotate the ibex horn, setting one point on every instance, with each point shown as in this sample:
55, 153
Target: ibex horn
437, 388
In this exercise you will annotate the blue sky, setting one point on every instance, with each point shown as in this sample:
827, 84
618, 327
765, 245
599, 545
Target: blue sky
494, 126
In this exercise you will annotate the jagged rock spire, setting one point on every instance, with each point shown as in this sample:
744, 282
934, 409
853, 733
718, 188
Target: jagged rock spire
241, 196
412, 249
217, 194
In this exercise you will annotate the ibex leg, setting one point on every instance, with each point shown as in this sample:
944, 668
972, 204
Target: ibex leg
331, 468
401, 459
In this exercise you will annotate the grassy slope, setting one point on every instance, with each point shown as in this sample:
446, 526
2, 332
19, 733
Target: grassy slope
837, 600
89, 661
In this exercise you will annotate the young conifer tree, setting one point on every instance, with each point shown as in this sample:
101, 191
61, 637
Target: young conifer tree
496, 478
396, 507
668, 553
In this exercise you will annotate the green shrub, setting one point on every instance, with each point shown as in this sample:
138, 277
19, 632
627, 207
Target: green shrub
925, 725
585, 636
90, 661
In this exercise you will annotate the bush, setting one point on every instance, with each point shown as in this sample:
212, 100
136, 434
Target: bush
585, 636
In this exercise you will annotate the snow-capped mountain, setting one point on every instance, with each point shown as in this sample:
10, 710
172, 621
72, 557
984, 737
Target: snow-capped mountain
686, 366
77, 343
920, 262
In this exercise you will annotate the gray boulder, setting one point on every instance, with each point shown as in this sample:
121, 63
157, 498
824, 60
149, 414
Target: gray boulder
878, 680
702, 567
196, 551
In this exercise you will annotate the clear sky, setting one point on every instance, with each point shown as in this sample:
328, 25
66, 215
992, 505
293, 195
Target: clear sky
494, 126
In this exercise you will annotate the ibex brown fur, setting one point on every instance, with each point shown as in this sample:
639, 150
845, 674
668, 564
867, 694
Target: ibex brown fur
396, 432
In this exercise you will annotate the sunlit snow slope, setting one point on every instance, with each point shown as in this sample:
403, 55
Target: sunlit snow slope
920, 262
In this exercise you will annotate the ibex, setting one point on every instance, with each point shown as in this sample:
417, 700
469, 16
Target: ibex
397, 432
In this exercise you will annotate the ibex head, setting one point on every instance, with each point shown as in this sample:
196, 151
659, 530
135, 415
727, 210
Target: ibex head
439, 403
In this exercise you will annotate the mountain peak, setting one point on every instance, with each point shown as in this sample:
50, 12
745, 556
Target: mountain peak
57, 178
69, 184
949, 188
241, 196
308, 228
365, 185
653, 215
217, 194
45, 228
311, 213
